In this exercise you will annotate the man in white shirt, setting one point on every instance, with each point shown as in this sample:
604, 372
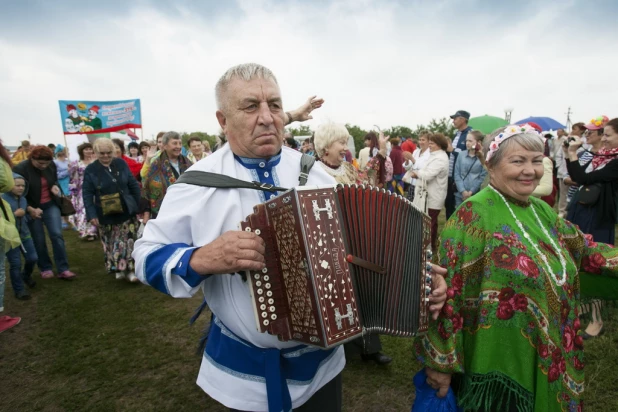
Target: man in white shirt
194, 244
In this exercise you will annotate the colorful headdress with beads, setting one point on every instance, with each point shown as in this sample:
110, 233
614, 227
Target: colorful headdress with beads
597, 123
509, 131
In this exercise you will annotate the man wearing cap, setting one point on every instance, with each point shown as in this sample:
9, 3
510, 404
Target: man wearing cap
460, 121
194, 244
93, 119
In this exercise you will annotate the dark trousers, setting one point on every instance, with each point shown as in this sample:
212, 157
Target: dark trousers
14, 257
51, 220
367, 344
433, 214
327, 399
449, 203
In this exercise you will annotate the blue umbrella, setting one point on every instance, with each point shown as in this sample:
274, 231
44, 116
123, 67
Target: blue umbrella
546, 123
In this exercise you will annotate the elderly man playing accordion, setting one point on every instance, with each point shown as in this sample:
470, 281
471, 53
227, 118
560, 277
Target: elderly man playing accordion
195, 244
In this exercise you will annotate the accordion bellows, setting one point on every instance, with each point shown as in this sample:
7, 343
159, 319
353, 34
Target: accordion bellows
341, 261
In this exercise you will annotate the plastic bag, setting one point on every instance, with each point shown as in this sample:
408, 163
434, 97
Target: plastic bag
427, 400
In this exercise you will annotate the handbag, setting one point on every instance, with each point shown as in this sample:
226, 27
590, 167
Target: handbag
111, 204
66, 206
420, 195
589, 194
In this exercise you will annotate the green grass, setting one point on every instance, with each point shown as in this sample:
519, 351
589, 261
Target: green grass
97, 344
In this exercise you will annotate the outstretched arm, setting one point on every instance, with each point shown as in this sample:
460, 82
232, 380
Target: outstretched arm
303, 113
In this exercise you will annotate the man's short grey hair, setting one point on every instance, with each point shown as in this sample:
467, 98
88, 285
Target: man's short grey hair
246, 72
327, 134
529, 141
165, 139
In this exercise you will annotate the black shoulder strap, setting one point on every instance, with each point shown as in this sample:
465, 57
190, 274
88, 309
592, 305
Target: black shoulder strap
306, 163
208, 179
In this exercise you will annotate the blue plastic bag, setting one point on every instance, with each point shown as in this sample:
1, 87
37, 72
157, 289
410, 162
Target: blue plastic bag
427, 400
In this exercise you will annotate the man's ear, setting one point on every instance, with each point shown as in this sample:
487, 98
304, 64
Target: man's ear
222, 120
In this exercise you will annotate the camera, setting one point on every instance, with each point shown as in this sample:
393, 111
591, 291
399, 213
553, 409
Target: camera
568, 141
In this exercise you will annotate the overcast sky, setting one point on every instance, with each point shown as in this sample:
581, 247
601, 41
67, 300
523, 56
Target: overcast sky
375, 62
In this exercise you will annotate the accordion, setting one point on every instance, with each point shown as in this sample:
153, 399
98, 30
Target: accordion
341, 261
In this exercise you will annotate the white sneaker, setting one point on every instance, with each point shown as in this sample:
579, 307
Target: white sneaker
120, 275
132, 278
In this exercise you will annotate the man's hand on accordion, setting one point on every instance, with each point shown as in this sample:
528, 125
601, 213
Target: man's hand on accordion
438, 291
233, 251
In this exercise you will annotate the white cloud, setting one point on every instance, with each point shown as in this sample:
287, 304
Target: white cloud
374, 63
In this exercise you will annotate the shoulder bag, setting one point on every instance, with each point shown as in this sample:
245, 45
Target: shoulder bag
66, 206
420, 195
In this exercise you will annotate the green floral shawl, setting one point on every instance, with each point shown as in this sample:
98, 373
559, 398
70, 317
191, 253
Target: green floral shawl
512, 333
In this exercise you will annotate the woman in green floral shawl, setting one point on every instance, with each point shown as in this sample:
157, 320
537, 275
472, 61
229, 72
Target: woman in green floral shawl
509, 337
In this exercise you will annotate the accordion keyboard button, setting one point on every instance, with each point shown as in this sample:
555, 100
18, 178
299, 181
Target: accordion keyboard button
272, 308
266, 278
266, 322
264, 314
247, 229
258, 283
273, 316
267, 285
271, 301
268, 293
258, 232
256, 276
261, 299
263, 306
264, 270
260, 291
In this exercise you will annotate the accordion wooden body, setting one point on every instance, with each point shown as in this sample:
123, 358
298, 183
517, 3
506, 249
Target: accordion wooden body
341, 261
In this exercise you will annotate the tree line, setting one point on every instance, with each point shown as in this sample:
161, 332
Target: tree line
443, 125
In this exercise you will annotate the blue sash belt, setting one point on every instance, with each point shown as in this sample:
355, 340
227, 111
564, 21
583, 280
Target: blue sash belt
277, 368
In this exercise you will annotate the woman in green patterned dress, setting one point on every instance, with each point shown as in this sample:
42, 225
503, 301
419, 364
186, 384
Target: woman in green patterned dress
509, 337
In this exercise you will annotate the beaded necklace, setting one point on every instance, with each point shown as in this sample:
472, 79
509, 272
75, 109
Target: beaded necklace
559, 281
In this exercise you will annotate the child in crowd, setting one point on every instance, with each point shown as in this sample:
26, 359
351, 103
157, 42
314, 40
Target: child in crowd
62, 167
17, 199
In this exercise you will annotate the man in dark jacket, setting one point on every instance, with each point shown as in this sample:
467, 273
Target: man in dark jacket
460, 121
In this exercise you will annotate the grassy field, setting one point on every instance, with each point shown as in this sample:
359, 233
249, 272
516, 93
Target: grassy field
97, 344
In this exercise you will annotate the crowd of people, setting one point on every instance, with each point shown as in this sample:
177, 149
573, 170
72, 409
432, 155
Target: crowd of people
525, 256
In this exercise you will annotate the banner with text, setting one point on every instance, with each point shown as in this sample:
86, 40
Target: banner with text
88, 117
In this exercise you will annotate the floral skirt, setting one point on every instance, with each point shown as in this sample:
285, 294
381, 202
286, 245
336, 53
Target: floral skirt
118, 241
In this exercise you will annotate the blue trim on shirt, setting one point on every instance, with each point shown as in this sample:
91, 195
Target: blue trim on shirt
251, 163
157, 262
262, 170
276, 368
186, 272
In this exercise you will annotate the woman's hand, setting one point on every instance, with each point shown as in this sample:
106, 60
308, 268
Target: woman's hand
55, 190
438, 381
19, 212
94, 222
438, 291
35, 213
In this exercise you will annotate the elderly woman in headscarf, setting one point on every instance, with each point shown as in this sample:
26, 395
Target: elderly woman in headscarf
509, 337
